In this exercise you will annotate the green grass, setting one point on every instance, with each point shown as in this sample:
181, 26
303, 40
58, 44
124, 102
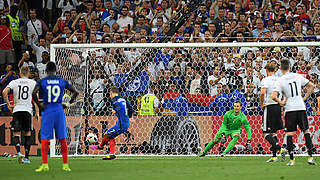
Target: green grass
164, 168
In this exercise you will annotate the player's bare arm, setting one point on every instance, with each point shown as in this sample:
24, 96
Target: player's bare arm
275, 98
74, 92
262, 94
37, 113
5, 93
35, 98
310, 87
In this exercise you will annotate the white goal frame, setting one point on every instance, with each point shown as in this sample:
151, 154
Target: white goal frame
54, 47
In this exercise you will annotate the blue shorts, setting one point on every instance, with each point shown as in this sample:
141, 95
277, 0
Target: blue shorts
116, 131
53, 119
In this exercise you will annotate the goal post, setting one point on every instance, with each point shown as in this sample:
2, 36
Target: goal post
191, 107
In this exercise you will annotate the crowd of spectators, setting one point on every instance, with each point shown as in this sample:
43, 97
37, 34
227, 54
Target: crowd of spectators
210, 72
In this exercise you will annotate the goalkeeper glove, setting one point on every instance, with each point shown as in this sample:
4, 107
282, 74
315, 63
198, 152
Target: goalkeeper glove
248, 145
223, 138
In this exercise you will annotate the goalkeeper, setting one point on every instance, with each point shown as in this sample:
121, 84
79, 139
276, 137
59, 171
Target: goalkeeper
231, 125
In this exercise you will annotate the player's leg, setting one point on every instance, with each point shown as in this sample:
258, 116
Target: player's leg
275, 123
112, 142
16, 141
290, 128
213, 142
275, 138
107, 137
235, 138
271, 123
47, 125
60, 128
273, 148
304, 127
27, 146
282, 150
27, 127
290, 147
17, 127
272, 142
309, 146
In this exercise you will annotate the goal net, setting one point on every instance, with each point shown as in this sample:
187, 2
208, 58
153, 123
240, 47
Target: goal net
190, 87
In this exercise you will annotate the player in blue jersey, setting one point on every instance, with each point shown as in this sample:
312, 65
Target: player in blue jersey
123, 110
53, 117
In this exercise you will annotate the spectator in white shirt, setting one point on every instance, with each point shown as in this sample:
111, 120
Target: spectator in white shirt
68, 5
41, 47
34, 26
124, 20
25, 61
214, 79
109, 66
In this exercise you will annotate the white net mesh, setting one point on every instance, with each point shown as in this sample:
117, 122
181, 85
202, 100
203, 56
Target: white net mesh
193, 86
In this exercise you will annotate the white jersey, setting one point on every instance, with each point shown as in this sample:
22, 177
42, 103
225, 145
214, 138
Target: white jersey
213, 88
41, 70
290, 84
22, 93
269, 84
36, 30
97, 86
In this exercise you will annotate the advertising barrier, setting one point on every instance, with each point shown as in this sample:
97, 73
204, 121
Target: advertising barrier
180, 135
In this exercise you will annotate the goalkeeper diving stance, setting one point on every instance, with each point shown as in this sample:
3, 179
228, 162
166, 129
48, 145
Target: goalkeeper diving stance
123, 110
231, 125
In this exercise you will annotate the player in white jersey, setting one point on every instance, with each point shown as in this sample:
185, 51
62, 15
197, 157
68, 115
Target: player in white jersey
290, 85
271, 121
41, 66
22, 110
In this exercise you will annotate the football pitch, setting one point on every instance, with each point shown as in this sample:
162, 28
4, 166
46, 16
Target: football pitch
144, 167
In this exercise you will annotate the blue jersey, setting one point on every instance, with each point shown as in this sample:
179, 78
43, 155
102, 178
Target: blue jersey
123, 111
53, 117
52, 89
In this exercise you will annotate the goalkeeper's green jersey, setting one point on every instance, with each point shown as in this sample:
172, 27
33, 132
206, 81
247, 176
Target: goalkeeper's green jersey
234, 122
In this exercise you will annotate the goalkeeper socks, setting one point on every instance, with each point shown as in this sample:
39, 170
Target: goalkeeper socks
27, 146
308, 143
209, 146
290, 146
16, 142
104, 141
272, 142
44, 150
64, 150
112, 144
231, 144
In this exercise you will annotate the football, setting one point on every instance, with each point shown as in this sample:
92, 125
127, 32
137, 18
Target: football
92, 138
